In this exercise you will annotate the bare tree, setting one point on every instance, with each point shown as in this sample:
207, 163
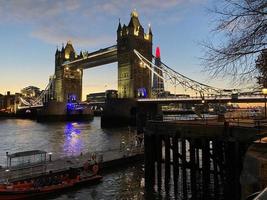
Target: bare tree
244, 25
261, 64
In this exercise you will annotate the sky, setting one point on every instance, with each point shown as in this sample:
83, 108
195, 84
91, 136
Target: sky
31, 30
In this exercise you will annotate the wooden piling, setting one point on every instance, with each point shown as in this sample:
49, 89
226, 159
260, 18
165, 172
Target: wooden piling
149, 164
159, 161
192, 168
175, 164
206, 167
184, 176
215, 169
167, 163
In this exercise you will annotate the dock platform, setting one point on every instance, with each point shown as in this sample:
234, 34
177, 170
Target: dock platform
106, 159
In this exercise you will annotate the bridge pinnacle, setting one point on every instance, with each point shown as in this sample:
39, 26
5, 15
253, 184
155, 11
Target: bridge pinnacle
134, 13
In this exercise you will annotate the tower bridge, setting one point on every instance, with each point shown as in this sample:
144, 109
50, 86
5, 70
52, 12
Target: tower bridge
131, 77
136, 68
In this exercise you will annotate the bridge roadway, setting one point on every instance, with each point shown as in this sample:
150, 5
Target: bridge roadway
94, 59
208, 99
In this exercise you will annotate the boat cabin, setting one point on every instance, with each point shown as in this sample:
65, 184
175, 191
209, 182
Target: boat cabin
26, 159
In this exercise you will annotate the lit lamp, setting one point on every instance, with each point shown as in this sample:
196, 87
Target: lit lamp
50, 156
264, 92
7, 175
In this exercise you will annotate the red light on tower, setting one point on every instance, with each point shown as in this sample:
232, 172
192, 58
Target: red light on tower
157, 52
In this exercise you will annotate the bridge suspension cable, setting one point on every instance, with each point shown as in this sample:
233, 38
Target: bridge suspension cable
44, 92
178, 79
39, 100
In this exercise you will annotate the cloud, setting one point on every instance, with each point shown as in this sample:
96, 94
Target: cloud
80, 20
54, 36
35, 10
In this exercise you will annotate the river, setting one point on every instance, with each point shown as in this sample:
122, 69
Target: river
68, 139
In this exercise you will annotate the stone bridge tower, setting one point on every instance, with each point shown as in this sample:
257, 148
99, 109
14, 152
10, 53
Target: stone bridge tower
134, 79
68, 82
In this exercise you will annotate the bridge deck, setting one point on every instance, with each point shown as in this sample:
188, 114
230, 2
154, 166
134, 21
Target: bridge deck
94, 59
209, 99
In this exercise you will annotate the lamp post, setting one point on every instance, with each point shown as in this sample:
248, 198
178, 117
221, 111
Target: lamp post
264, 92
7, 175
50, 156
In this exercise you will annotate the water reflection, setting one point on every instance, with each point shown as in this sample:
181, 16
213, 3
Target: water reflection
73, 144
71, 129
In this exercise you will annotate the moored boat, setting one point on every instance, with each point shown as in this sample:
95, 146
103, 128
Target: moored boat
52, 183
44, 183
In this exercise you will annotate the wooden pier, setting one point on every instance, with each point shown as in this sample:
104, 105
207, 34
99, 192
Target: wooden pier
196, 159
106, 159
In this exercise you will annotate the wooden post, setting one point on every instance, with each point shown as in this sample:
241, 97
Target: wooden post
198, 173
159, 161
229, 185
175, 165
215, 169
167, 163
206, 167
192, 169
149, 164
184, 168
237, 161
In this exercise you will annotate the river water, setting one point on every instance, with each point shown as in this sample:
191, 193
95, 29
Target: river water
68, 139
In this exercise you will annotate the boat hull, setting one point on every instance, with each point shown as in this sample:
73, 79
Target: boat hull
44, 191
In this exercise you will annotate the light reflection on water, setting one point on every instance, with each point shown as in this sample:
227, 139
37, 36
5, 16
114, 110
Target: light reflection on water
73, 143
62, 138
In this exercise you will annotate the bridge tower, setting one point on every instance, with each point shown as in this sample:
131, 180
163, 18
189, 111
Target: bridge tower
68, 81
134, 79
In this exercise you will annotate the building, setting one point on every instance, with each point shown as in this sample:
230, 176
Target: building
101, 97
96, 97
1, 101
134, 79
9, 102
158, 82
30, 91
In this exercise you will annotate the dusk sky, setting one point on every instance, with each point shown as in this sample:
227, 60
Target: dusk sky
31, 30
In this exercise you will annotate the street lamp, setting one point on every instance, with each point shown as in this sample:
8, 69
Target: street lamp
7, 175
50, 156
264, 92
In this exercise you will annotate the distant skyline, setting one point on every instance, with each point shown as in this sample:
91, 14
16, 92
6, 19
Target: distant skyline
31, 30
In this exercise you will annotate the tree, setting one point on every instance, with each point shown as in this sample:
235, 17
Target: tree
244, 24
261, 64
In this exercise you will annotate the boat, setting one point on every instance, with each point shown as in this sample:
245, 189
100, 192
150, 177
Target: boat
48, 184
